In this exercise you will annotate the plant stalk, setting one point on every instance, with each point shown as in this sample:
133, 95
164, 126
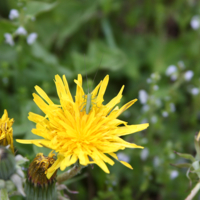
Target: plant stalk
69, 174
193, 192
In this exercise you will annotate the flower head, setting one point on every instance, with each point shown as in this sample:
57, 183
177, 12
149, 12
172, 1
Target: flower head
188, 75
9, 39
76, 135
21, 31
6, 131
31, 38
13, 14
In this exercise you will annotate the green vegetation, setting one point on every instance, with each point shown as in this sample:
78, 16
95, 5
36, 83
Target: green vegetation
134, 42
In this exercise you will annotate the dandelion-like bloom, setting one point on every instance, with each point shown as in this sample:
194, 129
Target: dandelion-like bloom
76, 135
6, 131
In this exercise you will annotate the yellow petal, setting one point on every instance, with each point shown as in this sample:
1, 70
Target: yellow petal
126, 164
122, 109
43, 95
36, 142
102, 90
115, 100
131, 129
67, 88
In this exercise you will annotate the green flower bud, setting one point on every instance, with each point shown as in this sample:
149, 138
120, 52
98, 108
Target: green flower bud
7, 163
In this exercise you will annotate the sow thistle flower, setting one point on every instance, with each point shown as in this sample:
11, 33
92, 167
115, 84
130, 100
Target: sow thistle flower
6, 131
79, 136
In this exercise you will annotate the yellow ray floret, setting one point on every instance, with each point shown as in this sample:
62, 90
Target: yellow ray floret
77, 136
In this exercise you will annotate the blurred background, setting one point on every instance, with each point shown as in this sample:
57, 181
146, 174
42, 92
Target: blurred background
151, 47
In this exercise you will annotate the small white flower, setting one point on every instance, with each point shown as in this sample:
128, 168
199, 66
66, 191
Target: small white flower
188, 75
9, 39
172, 107
170, 70
21, 31
194, 91
165, 114
123, 157
174, 174
155, 87
13, 14
31, 38
195, 22
144, 154
154, 119
143, 96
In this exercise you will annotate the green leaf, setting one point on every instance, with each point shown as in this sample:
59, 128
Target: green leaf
186, 156
34, 8
182, 165
76, 14
40, 52
4, 194
101, 56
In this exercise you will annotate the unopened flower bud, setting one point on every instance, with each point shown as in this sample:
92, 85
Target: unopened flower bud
7, 163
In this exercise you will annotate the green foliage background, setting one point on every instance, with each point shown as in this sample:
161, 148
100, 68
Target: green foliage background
129, 40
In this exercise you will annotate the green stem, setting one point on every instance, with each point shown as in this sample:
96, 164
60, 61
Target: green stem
193, 192
69, 174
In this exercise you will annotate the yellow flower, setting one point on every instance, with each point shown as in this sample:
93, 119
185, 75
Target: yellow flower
77, 136
6, 131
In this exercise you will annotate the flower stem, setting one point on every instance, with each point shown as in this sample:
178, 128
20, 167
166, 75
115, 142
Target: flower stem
69, 174
193, 192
